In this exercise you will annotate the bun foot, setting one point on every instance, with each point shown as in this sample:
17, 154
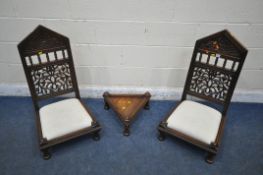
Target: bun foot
210, 158
46, 154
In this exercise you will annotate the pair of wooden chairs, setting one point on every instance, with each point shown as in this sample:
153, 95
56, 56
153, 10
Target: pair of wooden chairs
214, 70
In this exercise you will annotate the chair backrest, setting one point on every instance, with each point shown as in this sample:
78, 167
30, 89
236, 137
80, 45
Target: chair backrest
47, 61
214, 69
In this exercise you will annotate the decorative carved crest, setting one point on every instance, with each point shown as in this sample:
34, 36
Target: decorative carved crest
220, 45
42, 38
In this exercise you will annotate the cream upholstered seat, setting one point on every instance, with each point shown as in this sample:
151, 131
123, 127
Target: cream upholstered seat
63, 117
196, 120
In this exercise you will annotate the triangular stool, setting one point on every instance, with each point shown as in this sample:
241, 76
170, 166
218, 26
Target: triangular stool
126, 106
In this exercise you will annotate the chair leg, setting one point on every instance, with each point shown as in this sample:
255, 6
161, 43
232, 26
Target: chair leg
46, 154
147, 105
96, 136
126, 131
210, 157
161, 136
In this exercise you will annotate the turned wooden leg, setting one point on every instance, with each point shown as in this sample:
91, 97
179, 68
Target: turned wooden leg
147, 106
106, 106
210, 157
46, 154
161, 136
126, 131
96, 136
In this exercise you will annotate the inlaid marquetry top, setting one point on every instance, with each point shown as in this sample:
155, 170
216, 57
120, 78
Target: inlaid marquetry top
125, 105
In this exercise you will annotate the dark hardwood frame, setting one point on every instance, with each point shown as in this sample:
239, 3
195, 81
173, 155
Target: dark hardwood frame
221, 45
43, 41
145, 103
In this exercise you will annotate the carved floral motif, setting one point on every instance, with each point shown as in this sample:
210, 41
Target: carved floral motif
210, 83
51, 79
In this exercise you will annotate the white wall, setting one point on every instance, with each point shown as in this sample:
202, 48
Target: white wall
131, 43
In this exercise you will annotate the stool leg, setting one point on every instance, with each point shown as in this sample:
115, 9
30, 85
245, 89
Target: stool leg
147, 105
126, 131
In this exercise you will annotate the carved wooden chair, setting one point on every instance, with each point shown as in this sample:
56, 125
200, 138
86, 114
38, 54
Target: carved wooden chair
48, 65
214, 70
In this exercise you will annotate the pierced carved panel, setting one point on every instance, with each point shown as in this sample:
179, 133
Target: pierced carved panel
52, 79
210, 83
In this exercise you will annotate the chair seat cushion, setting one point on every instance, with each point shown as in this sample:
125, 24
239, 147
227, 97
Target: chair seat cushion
63, 117
196, 120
